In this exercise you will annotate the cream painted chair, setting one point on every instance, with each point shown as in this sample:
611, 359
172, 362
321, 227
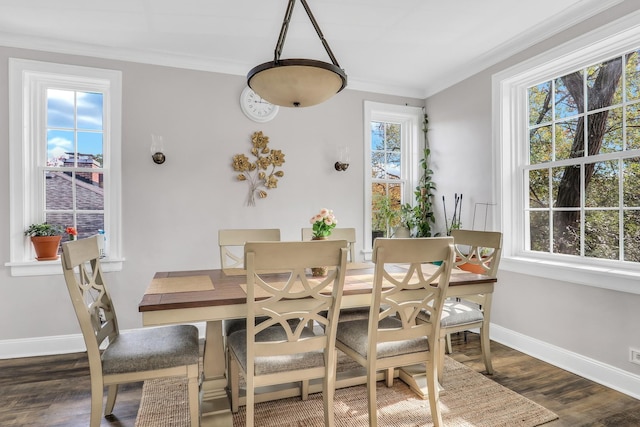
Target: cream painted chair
477, 252
231, 243
277, 347
391, 337
136, 355
348, 234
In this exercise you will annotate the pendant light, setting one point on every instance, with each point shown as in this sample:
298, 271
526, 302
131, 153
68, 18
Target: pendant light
297, 82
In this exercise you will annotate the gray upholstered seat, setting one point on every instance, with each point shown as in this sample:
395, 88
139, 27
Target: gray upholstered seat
237, 343
457, 313
153, 348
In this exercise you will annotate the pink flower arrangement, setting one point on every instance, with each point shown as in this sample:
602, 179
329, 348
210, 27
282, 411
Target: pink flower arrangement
323, 223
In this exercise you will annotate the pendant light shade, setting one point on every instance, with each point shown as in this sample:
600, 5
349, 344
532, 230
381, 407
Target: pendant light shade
297, 82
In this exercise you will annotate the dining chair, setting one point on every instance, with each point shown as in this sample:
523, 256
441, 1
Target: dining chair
348, 234
392, 337
278, 347
231, 243
477, 252
135, 355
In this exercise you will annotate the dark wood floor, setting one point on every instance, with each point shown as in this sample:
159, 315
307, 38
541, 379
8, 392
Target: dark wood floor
54, 390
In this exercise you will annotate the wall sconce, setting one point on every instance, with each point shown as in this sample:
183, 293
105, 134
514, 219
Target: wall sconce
343, 159
157, 149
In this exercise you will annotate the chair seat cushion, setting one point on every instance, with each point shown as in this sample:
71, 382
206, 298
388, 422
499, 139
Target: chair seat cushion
456, 313
152, 348
237, 343
355, 335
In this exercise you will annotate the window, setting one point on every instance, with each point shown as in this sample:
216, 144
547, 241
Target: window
65, 156
568, 135
392, 141
583, 176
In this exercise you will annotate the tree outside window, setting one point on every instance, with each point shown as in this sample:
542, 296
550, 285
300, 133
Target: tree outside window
583, 173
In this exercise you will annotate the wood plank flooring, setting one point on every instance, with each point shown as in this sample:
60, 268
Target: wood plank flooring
55, 390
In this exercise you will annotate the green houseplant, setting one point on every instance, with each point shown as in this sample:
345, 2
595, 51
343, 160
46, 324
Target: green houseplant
385, 216
46, 240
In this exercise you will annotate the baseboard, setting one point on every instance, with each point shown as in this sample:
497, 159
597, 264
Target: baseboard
46, 346
607, 375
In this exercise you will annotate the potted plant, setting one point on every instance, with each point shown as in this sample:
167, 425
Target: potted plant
385, 216
46, 240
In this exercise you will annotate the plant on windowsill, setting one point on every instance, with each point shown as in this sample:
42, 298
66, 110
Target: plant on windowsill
46, 240
385, 216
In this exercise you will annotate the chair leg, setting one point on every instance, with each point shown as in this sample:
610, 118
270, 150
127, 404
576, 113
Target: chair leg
194, 395
234, 381
304, 389
432, 387
97, 389
449, 348
485, 344
440, 358
371, 397
112, 393
328, 390
388, 376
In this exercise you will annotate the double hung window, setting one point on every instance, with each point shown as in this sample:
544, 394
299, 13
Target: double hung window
567, 135
65, 156
392, 141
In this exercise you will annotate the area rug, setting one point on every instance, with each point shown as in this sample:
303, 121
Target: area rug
469, 399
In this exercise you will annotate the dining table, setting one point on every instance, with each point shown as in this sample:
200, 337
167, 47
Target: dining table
211, 296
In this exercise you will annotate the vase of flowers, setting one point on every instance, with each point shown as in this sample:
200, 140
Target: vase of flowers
72, 233
322, 225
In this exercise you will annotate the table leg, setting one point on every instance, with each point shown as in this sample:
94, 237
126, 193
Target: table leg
215, 407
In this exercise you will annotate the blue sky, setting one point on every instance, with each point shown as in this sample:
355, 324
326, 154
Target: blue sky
65, 108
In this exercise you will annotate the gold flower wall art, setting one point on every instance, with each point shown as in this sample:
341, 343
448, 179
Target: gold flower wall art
261, 174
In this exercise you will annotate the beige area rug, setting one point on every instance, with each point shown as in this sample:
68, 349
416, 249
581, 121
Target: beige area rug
469, 399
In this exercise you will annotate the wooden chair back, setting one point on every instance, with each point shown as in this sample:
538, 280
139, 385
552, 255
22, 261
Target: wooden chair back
348, 234
478, 251
231, 242
91, 300
404, 295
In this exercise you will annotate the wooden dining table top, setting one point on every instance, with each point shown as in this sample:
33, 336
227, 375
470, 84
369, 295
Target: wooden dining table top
205, 288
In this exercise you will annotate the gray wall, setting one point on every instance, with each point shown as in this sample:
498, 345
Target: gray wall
171, 213
566, 323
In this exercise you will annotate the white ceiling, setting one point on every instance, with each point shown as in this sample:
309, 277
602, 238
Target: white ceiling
403, 47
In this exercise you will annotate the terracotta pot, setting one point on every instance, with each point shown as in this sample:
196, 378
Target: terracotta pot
46, 247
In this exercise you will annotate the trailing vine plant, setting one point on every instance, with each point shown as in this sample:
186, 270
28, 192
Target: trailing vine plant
424, 216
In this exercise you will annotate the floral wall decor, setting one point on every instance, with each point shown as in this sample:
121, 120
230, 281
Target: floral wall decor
261, 173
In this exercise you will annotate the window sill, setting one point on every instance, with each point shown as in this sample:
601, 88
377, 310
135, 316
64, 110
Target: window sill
616, 279
46, 268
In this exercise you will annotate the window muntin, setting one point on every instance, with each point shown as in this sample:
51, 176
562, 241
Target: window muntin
580, 167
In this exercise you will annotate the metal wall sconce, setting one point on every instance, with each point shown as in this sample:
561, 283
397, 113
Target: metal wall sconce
343, 159
157, 149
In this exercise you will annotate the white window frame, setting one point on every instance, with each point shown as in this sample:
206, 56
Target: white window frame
410, 119
27, 105
510, 136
